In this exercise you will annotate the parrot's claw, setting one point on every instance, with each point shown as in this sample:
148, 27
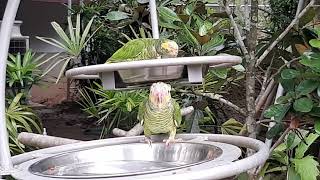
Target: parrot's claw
147, 140
170, 140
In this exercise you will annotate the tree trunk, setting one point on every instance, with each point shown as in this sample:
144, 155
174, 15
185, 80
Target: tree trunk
250, 77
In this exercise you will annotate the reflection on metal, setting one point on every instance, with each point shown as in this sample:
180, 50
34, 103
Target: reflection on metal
93, 158
125, 160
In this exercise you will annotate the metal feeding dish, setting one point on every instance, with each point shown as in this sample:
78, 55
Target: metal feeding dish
135, 73
125, 160
151, 74
199, 156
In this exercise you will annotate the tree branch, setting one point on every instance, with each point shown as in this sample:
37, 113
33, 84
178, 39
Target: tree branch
283, 66
237, 32
224, 101
217, 97
279, 141
284, 33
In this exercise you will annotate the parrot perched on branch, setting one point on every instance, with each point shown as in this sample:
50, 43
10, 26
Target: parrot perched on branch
145, 48
160, 113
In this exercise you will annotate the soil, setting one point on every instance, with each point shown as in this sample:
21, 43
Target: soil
60, 116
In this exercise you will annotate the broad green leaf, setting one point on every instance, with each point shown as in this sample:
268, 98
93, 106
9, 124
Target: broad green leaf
220, 72
306, 87
167, 14
315, 112
302, 147
317, 125
306, 168
297, 140
315, 43
169, 25
116, 15
311, 59
280, 156
289, 74
303, 105
239, 68
203, 30
287, 84
292, 174
287, 98
278, 111
215, 41
274, 131
290, 139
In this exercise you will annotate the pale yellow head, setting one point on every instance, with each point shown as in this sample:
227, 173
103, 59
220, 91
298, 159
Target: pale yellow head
168, 48
160, 94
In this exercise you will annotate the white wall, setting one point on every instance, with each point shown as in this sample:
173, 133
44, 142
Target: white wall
36, 17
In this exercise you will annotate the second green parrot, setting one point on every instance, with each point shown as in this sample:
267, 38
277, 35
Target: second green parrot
160, 113
145, 48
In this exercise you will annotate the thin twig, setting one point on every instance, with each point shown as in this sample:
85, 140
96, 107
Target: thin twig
283, 66
279, 141
237, 32
265, 79
217, 97
265, 95
284, 33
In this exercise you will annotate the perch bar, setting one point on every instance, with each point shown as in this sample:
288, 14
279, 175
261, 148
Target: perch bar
43, 141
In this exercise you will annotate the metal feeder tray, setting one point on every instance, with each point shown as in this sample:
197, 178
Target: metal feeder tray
146, 71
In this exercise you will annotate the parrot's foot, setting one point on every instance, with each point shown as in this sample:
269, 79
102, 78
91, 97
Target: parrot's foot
147, 140
171, 140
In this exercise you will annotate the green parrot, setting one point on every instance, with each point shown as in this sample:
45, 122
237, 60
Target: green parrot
145, 48
160, 113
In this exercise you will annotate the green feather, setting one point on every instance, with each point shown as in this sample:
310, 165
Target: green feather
137, 49
156, 121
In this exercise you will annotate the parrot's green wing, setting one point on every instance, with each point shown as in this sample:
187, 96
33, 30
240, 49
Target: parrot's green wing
141, 111
132, 50
176, 114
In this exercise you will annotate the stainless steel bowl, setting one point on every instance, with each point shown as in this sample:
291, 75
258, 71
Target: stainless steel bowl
125, 160
151, 74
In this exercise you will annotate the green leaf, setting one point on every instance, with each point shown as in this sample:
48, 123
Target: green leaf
317, 125
203, 30
274, 131
315, 43
306, 87
302, 147
311, 59
290, 139
292, 174
220, 72
315, 112
287, 84
287, 98
289, 74
211, 45
239, 68
303, 105
116, 15
167, 14
306, 168
278, 111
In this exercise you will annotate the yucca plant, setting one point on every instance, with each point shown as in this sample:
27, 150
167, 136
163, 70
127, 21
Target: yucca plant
24, 71
72, 43
111, 108
19, 118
